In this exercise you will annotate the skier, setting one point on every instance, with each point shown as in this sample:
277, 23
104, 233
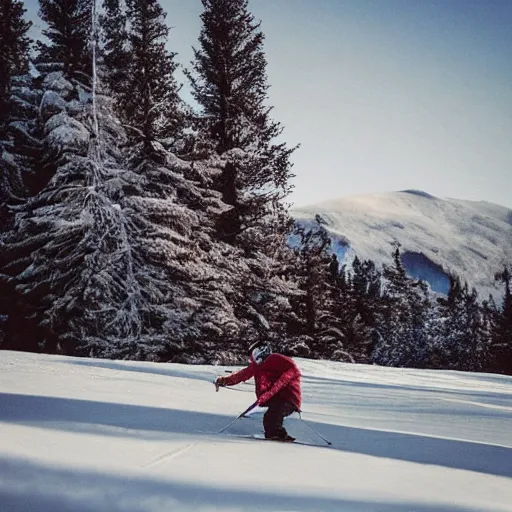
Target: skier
277, 382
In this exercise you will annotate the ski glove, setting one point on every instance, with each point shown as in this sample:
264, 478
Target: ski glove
219, 382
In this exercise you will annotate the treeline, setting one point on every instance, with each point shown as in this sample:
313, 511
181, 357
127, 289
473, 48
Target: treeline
365, 314
134, 226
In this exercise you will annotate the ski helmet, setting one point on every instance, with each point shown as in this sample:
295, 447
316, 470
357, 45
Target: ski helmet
259, 351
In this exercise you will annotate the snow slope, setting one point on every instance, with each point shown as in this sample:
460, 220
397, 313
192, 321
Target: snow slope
86, 435
472, 239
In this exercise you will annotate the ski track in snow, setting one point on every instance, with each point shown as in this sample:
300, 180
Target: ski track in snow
173, 454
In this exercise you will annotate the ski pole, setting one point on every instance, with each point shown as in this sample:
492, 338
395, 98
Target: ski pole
313, 430
250, 408
228, 388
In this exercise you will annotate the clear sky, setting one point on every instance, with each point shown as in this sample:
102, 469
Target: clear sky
385, 94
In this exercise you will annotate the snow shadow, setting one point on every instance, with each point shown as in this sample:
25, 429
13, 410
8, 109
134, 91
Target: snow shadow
28, 486
155, 369
123, 420
450, 453
88, 416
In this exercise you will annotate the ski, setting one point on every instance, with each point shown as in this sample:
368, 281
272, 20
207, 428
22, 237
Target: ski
290, 439
261, 437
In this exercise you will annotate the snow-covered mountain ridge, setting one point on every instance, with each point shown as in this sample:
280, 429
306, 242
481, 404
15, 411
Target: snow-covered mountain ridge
437, 236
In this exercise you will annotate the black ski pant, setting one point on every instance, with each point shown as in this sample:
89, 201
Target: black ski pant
276, 413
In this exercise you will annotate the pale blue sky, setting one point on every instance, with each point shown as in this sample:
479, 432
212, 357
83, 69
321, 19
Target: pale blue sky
385, 94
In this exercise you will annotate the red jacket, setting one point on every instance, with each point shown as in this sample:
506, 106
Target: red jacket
276, 376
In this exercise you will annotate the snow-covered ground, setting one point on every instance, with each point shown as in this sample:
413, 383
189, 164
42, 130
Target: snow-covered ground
85, 435
472, 239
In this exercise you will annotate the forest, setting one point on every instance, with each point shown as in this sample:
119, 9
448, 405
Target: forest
136, 226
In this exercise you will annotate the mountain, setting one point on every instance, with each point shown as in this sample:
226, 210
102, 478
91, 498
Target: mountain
91, 435
437, 236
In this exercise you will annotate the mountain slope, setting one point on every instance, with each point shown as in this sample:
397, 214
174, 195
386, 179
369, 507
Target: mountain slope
89, 435
436, 236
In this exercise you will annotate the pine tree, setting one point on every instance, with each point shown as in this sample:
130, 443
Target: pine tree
501, 351
402, 333
14, 53
109, 258
445, 323
115, 47
65, 66
359, 306
459, 336
18, 138
68, 32
314, 326
148, 93
183, 277
65, 254
229, 82
14, 62
112, 257
473, 344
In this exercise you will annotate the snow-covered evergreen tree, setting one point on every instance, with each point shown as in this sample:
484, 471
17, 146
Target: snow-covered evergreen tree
109, 259
42, 246
66, 255
359, 306
474, 341
184, 278
315, 326
113, 256
229, 83
115, 50
65, 55
14, 63
459, 336
34, 154
501, 349
68, 32
147, 92
18, 138
14, 53
405, 312
447, 310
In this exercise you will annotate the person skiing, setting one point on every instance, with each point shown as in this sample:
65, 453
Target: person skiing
277, 386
